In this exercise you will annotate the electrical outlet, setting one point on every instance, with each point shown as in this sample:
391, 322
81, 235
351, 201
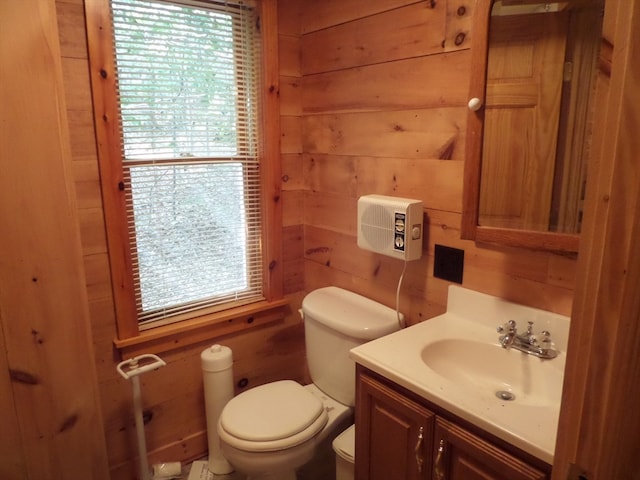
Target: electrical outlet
448, 263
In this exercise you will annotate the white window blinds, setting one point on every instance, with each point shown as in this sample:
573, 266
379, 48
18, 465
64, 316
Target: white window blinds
187, 85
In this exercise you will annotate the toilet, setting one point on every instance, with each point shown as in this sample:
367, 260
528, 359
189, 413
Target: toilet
344, 447
271, 430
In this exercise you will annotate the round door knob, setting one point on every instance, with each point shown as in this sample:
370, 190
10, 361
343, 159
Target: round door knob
474, 104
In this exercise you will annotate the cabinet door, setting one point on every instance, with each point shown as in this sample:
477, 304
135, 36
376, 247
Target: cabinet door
394, 435
460, 455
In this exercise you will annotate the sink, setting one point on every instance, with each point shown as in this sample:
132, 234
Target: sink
455, 362
494, 372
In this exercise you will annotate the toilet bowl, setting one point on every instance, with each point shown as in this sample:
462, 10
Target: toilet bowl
271, 430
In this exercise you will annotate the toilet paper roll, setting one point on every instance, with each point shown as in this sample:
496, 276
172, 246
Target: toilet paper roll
167, 470
217, 370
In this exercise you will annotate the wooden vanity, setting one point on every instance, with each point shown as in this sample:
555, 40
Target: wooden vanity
401, 436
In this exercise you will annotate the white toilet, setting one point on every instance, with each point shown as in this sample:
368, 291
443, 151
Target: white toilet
271, 430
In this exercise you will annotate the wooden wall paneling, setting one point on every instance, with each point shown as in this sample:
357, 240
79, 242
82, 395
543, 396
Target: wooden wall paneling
518, 289
289, 24
289, 18
458, 25
335, 212
294, 276
406, 32
293, 241
290, 96
293, 254
14, 458
98, 276
45, 315
337, 174
292, 171
599, 423
289, 55
91, 214
317, 15
103, 329
422, 82
290, 134
92, 230
88, 194
562, 272
428, 133
398, 128
82, 133
536, 279
292, 207
75, 72
340, 251
406, 178
71, 28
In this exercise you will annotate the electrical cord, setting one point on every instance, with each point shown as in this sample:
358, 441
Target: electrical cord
399, 315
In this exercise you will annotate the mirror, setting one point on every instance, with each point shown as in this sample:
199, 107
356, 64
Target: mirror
529, 126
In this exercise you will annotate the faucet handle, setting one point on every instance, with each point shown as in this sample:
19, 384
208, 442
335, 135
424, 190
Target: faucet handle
529, 328
546, 339
508, 327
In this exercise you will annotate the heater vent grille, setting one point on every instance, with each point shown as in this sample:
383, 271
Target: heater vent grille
391, 226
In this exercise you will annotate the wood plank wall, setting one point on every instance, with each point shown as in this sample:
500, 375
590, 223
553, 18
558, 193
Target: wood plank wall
50, 420
173, 396
372, 101
384, 93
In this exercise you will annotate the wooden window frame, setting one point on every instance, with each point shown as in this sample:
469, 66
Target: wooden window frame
214, 321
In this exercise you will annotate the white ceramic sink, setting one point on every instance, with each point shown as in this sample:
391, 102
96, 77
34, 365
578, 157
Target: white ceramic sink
494, 372
455, 361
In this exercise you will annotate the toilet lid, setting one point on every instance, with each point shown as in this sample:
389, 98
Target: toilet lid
276, 414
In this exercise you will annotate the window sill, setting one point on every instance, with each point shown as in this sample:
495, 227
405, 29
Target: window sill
207, 327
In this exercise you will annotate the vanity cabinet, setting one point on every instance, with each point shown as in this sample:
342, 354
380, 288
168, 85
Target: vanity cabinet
401, 438
461, 455
394, 435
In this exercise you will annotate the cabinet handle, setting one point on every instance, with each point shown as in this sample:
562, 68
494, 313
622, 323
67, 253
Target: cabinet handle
439, 473
418, 450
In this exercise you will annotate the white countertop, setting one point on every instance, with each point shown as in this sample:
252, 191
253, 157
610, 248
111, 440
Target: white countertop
530, 422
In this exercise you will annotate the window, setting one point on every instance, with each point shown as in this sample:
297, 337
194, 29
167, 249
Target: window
183, 143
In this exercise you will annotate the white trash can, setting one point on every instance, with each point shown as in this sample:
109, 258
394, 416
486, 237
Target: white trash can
344, 445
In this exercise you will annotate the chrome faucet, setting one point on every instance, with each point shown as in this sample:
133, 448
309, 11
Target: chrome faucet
510, 331
528, 342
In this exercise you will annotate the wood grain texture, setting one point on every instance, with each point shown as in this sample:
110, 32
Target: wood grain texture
53, 421
599, 423
406, 32
416, 82
318, 15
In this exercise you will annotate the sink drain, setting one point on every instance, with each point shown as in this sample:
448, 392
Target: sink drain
505, 395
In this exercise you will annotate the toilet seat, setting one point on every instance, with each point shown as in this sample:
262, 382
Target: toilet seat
271, 417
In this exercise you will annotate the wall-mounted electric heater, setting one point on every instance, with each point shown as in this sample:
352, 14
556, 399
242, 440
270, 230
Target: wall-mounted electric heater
391, 226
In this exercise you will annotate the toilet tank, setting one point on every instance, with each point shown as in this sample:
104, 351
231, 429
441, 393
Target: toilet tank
335, 321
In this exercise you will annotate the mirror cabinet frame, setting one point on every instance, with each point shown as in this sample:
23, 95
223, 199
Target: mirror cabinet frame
470, 229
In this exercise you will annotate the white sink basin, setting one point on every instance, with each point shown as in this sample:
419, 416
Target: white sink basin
455, 361
496, 373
